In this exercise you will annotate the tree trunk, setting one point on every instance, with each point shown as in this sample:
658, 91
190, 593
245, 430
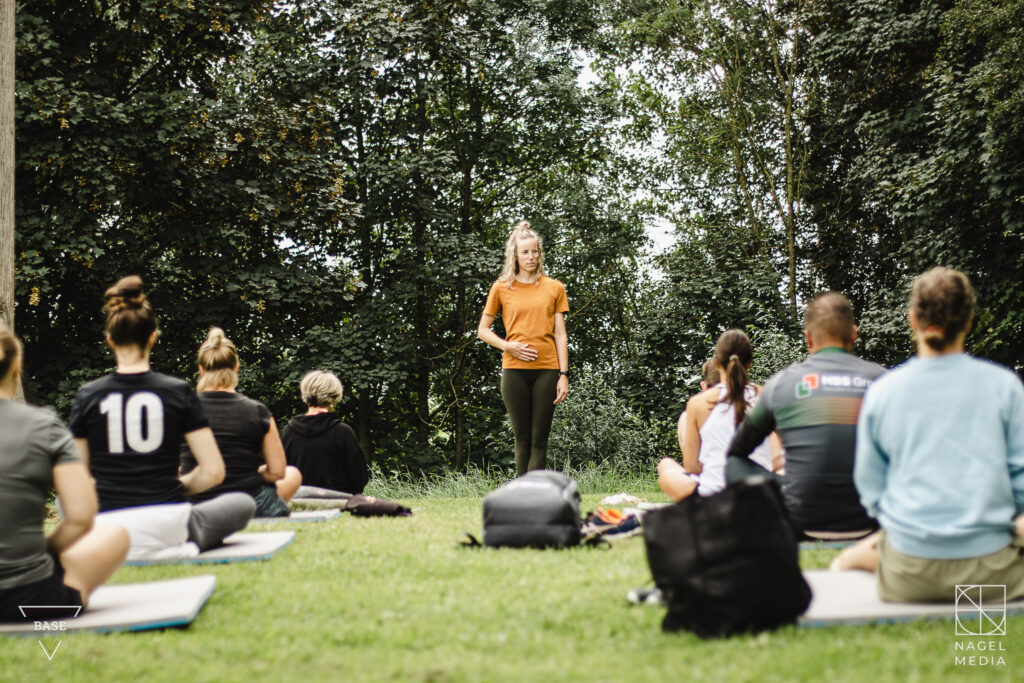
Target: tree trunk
7, 161
364, 418
7, 167
463, 318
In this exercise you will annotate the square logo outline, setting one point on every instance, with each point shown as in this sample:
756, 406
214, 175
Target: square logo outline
978, 612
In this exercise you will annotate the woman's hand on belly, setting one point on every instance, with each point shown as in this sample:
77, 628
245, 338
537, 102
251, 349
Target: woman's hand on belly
521, 351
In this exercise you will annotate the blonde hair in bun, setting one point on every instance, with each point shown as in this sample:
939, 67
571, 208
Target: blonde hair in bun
521, 231
218, 358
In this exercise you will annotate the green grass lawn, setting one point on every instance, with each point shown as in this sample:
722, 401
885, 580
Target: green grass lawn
398, 599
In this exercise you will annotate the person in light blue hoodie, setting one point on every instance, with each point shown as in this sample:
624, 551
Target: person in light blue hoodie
940, 460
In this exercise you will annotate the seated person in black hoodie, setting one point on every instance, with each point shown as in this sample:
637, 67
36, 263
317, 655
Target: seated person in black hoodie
324, 448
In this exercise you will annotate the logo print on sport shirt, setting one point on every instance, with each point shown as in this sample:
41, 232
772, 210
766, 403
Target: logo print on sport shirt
808, 384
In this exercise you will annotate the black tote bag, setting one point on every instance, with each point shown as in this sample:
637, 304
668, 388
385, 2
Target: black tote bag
727, 563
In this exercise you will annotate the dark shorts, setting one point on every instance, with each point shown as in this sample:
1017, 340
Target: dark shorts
38, 594
269, 504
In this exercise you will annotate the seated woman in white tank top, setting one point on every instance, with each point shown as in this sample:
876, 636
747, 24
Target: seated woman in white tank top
710, 423
715, 435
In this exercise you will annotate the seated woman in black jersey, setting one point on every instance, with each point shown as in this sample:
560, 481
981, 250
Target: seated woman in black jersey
36, 453
324, 448
245, 432
129, 426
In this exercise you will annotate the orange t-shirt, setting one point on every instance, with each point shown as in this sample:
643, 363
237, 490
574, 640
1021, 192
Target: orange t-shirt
528, 312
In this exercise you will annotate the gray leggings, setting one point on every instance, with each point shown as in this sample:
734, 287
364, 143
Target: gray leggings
212, 520
529, 398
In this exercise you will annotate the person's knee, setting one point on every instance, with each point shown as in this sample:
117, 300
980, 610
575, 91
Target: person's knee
667, 466
240, 504
227, 506
118, 542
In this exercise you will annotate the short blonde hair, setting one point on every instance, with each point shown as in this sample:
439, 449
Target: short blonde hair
320, 389
521, 231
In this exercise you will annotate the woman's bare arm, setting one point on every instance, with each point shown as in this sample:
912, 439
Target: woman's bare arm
273, 454
562, 351
210, 469
78, 502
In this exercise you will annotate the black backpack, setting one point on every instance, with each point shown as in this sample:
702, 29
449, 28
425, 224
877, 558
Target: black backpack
727, 563
539, 509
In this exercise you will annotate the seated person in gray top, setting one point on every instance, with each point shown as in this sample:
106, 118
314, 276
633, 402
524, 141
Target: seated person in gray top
58, 571
814, 407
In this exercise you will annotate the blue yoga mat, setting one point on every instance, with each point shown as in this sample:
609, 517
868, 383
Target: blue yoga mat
130, 607
240, 547
300, 516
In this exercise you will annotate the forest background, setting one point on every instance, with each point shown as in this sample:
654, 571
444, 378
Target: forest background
332, 183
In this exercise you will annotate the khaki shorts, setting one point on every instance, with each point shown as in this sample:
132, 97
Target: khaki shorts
906, 578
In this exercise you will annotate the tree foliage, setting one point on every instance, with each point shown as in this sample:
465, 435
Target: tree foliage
332, 183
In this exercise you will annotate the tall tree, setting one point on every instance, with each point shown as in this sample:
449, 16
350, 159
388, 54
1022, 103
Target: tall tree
7, 161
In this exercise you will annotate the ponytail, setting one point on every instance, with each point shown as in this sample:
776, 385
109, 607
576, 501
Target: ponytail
735, 353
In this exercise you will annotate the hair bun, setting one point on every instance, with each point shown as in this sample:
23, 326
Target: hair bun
215, 337
125, 293
522, 225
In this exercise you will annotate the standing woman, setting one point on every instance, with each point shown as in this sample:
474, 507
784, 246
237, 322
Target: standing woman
245, 431
36, 453
940, 460
129, 425
535, 358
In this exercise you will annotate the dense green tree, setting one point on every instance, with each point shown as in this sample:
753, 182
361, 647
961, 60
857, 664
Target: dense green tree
919, 122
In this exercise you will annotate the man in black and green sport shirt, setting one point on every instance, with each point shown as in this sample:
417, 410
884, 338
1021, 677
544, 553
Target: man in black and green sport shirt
814, 407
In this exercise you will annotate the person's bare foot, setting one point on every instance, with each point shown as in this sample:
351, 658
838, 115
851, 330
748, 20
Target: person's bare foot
861, 555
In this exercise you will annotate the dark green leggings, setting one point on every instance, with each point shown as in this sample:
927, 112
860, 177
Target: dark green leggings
529, 398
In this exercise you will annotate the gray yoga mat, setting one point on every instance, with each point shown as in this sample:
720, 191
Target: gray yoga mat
849, 598
131, 607
318, 497
301, 516
318, 503
240, 547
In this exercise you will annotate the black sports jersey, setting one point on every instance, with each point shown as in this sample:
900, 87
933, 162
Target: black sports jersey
814, 406
135, 424
239, 425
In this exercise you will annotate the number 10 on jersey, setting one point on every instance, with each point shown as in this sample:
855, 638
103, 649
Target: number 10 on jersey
139, 421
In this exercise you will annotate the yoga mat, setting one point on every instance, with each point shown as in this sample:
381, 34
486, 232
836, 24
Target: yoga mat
130, 607
240, 547
849, 599
320, 492
301, 516
837, 539
318, 503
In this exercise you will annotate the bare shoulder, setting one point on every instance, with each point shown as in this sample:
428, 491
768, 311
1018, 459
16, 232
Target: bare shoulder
702, 403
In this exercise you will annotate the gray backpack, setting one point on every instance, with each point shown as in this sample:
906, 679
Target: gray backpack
539, 509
